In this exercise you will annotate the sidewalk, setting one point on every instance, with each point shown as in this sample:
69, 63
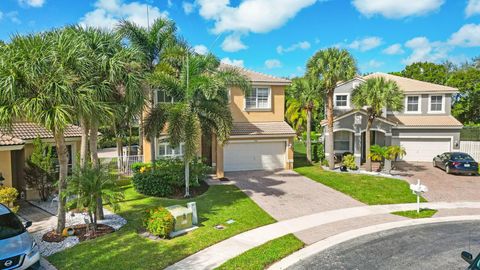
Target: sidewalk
219, 253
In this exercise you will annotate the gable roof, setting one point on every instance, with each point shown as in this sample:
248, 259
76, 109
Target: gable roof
257, 77
324, 122
24, 131
411, 85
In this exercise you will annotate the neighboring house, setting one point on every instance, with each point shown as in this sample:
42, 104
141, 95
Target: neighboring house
260, 138
425, 127
16, 146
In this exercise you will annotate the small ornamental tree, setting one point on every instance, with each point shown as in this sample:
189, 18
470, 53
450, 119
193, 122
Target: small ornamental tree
40, 169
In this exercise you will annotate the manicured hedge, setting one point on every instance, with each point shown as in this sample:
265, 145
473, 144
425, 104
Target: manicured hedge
470, 133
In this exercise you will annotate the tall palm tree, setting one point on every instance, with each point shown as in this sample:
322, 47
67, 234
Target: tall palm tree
307, 92
39, 83
200, 88
152, 41
375, 95
331, 66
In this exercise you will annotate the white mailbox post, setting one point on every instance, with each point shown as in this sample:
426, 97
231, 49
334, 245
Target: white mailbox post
418, 189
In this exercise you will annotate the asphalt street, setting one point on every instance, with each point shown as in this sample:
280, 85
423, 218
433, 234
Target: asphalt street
433, 246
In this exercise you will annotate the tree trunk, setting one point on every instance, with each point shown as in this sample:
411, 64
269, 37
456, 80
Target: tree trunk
96, 164
140, 137
119, 154
309, 137
62, 154
331, 160
368, 163
84, 143
152, 149
187, 178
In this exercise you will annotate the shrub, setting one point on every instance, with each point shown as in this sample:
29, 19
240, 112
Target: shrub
159, 222
349, 162
40, 169
318, 152
8, 197
166, 176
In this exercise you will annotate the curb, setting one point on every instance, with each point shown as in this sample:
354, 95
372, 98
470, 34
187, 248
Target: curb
349, 235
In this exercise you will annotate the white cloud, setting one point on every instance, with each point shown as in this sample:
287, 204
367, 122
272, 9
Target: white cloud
424, 50
233, 43
13, 17
169, 3
473, 8
394, 49
467, 36
273, 63
365, 44
232, 62
375, 64
107, 13
255, 16
397, 9
302, 45
188, 7
201, 49
32, 3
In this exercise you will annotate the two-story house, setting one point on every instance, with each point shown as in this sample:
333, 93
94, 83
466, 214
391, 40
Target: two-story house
425, 127
260, 138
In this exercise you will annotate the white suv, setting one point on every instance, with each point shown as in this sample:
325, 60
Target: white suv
18, 250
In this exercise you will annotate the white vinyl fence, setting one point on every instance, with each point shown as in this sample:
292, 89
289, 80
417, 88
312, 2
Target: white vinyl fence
472, 148
125, 163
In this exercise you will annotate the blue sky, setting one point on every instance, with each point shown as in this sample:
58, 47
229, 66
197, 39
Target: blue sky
278, 36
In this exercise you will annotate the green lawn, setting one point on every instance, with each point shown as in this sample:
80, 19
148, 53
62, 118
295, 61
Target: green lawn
365, 188
262, 256
125, 249
424, 213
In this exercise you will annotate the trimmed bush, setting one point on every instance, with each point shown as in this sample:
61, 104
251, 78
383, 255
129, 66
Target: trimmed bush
349, 162
159, 222
166, 176
8, 197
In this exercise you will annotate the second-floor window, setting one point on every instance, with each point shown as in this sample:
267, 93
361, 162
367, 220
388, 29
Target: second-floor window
341, 100
413, 104
258, 98
436, 103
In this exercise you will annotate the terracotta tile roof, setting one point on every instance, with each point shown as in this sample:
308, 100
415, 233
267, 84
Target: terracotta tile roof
425, 120
257, 77
28, 131
7, 140
262, 128
411, 85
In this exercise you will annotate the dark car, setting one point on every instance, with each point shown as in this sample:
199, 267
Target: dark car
474, 263
456, 162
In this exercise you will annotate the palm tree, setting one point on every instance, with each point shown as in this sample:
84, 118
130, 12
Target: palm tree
200, 88
307, 91
38, 83
394, 152
331, 66
152, 42
376, 94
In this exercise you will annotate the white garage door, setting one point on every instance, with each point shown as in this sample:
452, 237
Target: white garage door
254, 156
424, 149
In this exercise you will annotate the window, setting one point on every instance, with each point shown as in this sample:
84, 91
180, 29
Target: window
436, 103
413, 104
258, 98
163, 97
57, 162
164, 150
341, 141
341, 100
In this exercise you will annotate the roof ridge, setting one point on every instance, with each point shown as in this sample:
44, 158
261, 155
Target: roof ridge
257, 72
410, 79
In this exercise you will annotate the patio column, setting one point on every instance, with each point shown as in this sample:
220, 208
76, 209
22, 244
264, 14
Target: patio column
388, 142
357, 151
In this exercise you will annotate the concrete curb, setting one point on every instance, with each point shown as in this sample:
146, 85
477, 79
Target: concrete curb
219, 253
349, 235
46, 265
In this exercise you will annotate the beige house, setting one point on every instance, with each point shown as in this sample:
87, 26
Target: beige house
16, 146
260, 138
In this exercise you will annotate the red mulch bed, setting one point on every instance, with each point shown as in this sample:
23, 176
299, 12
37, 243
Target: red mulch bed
80, 232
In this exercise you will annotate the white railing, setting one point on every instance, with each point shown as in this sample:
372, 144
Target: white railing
472, 148
125, 163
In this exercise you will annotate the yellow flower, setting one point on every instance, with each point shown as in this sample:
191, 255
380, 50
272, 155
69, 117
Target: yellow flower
143, 169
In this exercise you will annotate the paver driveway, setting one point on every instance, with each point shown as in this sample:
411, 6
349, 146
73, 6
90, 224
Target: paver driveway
442, 186
286, 194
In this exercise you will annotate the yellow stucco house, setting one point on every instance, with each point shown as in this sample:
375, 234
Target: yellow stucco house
16, 146
260, 138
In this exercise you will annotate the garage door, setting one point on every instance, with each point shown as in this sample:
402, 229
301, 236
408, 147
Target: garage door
254, 156
424, 149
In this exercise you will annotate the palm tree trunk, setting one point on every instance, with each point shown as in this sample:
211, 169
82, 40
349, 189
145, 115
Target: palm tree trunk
187, 177
119, 153
152, 149
331, 160
62, 154
309, 139
96, 163
368, 163
140, 137
84, 143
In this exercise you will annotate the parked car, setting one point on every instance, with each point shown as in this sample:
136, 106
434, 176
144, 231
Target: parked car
474, 264
456, 162
18, 250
